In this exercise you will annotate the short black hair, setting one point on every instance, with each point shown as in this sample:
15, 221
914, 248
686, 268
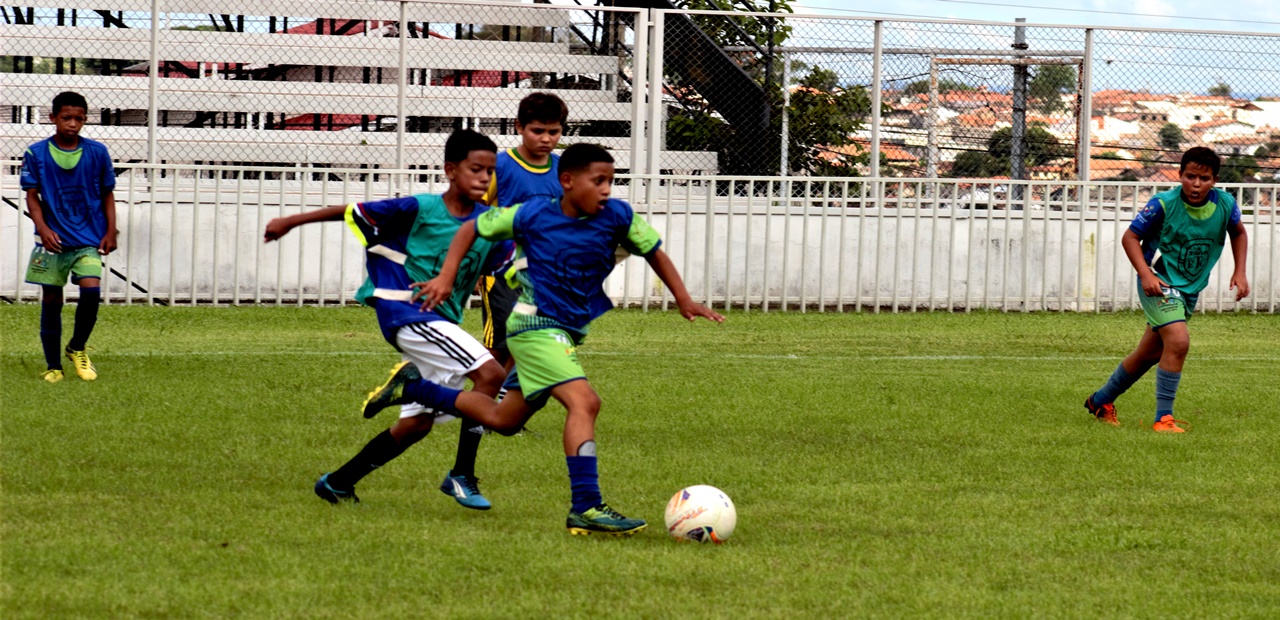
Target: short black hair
462, 142
69, 99
1203, 156
544, 108
580, 156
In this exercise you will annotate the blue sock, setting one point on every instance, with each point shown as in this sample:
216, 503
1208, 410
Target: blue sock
1166, 389
86, 317
584, 481
1120, 381
51, 334
432, 395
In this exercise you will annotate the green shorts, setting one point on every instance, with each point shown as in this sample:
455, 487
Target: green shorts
49, 269
544, 358
1171, 307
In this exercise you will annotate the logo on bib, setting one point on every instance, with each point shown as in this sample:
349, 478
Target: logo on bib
1195, 257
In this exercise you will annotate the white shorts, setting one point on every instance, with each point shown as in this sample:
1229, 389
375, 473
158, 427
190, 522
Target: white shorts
444, 353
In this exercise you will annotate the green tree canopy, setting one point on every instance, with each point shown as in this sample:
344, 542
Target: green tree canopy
1221, 89
972, 164
1047, 86
1170, 136
1041, 147
1237, 169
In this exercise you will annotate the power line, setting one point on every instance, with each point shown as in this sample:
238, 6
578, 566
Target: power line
1044, 8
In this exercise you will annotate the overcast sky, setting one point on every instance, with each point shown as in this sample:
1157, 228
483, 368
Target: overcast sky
1234, 15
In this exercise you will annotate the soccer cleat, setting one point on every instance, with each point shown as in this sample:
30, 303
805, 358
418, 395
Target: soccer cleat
466, 490
1104, 413
84, 368
1168, 425
53, 375
392, 391
332, 495
602, 520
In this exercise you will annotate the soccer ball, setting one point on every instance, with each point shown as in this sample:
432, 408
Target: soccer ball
701, 513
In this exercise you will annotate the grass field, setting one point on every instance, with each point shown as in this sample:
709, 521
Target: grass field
883, 465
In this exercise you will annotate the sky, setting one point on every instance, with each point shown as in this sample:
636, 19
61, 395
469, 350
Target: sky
1233, 16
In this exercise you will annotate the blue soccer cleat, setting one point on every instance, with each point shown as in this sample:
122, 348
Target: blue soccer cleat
391, 392
466, 490
332, 495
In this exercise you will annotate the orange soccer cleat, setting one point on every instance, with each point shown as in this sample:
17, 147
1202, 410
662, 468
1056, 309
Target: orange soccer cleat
1104, 413
1168, 425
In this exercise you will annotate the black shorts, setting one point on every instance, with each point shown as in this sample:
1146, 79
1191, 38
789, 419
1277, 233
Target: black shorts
497, 300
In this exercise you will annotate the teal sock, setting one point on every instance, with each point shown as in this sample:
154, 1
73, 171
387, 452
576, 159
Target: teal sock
1166, 389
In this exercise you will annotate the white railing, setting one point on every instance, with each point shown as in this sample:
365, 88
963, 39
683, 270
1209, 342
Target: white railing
193, 235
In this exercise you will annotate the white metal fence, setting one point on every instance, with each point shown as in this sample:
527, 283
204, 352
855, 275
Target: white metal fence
193, 235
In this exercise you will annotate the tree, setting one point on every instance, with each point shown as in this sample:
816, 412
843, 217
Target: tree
823, 115
1041, 147
1220, 90
1238, 169
921, 87
1171, 136
1048, 85
974, 164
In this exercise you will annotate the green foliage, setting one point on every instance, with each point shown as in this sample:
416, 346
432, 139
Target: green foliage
1049, 83
1221, 89
1041, 146
824, 115
949, 468
945, 85
1270, 149
1108, 155
1238, 169
1170, 136
973, 164
757, 30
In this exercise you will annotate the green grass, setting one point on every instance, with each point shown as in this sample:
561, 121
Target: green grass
882, 465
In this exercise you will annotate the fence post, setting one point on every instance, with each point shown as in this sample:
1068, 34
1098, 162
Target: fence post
656, 52
153, 84
783, 168
403, 85
1086, 111
639, 78
876, 67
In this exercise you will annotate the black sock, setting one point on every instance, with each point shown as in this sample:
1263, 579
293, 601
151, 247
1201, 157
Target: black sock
378, 452
468, 444
51, 333
86, 317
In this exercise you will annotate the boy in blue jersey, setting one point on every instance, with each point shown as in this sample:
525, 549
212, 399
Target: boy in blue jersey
406, 239
522, 174
1188, 225
566, 250
69, 183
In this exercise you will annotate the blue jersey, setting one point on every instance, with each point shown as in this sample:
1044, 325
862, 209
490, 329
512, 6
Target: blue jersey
406, 240
515, 180
565, 260
71, 200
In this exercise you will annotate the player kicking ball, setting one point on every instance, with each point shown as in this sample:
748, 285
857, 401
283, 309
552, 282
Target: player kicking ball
406, 239
1188, 225
566, 249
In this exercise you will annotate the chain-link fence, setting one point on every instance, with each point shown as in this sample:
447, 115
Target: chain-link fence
376, 84
380, 85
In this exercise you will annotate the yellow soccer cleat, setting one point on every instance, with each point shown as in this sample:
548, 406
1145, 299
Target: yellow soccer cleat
53, 375
84, 367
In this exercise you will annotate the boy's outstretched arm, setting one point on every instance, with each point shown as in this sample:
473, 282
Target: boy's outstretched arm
689, 308
281, 226
440, 287
1151, 283
108, 243
1239, 252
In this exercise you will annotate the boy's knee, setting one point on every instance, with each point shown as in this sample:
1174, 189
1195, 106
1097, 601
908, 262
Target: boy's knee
488, 377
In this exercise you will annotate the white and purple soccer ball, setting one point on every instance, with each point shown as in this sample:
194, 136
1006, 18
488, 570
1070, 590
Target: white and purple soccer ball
701, 513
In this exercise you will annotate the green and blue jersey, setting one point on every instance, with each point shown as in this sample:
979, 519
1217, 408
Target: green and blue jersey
71, 185
1189, 238
563, 261
406, 241
515, 181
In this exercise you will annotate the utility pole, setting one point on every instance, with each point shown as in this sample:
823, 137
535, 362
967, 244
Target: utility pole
931, 161
1018, 146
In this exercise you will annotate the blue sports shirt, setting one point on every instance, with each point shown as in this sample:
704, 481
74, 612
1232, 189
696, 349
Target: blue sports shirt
406, 241
516, 181
565, 259
71, 199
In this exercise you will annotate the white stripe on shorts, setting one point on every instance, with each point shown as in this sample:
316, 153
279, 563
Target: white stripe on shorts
444, 353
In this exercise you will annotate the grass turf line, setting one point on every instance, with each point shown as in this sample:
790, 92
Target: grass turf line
912, 464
